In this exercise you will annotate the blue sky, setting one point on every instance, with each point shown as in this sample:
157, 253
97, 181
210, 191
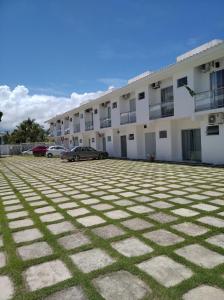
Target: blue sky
56, 47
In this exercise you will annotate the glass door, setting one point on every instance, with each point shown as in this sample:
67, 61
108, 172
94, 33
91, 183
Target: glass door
191, 144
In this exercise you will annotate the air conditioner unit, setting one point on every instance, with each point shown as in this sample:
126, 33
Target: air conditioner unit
205, 67
126, 96
156, 85
216, 119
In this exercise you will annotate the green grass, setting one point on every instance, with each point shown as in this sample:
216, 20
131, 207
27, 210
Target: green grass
108, 172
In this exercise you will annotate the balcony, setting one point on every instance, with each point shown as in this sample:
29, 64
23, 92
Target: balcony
209, 99
58, 132
89, 125
67, 131
128, 117
105, 122
76, 128
161, 110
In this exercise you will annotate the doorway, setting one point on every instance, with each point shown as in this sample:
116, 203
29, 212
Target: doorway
191, 144
123, 146
150, 144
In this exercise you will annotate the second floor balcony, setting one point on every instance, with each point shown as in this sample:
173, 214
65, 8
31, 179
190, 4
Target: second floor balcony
67, 131
76, 128
58, 132
105, 122
128, 117
161, 110
89, 125
207, 100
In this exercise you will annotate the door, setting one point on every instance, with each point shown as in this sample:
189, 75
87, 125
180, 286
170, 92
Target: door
150, 145
123, 146
217, 88
191, 144
104, 143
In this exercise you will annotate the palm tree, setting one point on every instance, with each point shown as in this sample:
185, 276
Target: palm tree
28, 131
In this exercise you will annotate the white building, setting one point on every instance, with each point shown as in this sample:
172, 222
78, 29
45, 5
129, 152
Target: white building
173, 114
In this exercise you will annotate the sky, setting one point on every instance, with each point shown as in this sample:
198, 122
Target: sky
54, 54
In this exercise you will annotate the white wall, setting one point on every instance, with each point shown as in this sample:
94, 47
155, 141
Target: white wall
212, 145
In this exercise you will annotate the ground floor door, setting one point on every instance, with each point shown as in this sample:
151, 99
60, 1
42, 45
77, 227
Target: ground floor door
89, 142
191, 144
104, 143
150, 145
123, 146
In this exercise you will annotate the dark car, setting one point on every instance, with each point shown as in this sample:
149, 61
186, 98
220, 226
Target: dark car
78, 153
40, 150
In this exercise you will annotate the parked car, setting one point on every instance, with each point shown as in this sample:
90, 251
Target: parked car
54, 151
27, 152
39, 150
78, 153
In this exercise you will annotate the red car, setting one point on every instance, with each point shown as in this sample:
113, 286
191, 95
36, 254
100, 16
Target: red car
39, 150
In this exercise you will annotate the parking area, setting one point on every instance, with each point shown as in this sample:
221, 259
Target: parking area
110, 229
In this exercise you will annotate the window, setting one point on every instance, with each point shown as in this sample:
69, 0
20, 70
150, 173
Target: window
109, 138
95, 111
167, 94
163, 134
114, 105
93, 140
131, 137
81, 116
213, 130
70, 119
132, 104
80, 141
141, 96
181, 81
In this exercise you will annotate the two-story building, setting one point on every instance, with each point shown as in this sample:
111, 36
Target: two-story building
173, 114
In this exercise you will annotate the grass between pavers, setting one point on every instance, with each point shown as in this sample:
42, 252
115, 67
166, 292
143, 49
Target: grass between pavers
15, 265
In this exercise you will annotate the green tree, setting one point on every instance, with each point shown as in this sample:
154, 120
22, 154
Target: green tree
28, 131
1, 114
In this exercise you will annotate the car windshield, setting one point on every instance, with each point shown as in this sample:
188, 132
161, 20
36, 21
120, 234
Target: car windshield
73, 149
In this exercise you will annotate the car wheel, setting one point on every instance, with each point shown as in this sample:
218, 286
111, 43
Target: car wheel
49, 155
76, 158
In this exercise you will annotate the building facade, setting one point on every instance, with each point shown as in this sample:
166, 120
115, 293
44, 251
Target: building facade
173, 114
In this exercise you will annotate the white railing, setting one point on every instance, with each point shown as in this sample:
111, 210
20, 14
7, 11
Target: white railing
128, 117
211, 99
161, 110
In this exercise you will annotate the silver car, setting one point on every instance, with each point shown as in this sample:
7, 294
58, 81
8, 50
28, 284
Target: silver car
78, 153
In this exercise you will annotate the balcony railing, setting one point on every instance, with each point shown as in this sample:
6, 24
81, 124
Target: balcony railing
76, 128
58, 132
89, 125
128, 117
209, 99
161, 110
67, 131
105, 122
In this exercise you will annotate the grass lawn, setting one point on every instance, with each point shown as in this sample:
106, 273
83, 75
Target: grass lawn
110, 229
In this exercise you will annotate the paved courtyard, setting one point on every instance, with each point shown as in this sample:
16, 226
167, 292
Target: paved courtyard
110, 229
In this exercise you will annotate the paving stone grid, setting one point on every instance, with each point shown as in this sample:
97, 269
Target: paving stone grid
110, 229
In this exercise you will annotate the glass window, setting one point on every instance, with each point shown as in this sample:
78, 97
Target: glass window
141, 96
213, 130
132, 103
181, 81
163, 134
131, 137
167, 94
114, 105
109, 138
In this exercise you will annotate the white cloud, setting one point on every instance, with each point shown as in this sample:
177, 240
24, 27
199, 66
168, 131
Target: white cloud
17, 105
